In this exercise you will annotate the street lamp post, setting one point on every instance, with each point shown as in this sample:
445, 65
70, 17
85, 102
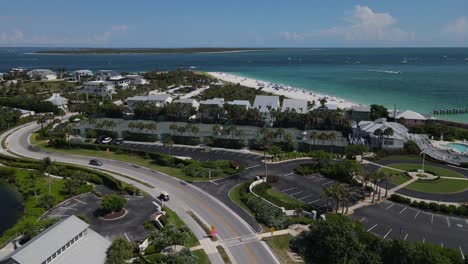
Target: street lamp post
424, 157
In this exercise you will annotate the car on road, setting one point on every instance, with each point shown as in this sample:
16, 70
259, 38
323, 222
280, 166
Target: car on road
106, 140
164, 196
117, 141
95, 162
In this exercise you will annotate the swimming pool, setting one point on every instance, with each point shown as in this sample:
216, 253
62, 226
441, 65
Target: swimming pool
463, 148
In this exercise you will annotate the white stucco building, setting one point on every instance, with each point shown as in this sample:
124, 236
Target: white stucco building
296, 105
158, 100
364, 132
243, 103
57, 100
42, 74
98, 88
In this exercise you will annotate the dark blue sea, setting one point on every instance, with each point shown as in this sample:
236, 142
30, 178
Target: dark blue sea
420, 79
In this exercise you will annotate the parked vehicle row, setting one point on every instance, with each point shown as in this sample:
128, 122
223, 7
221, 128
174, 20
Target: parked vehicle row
108, 140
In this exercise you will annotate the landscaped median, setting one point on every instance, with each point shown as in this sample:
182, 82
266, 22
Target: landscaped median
188, 170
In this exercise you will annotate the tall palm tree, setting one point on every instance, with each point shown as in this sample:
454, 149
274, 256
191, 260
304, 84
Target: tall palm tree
131, 125
378, 133
388, 132
216, 129
46, 166
174, 128
168, 143
195, 130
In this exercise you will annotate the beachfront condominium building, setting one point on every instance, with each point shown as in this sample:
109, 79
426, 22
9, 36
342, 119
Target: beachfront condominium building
80, 75
42, 75
69, 241
373, 134
98, 88
156, 100
294, 105
241, 103
59, 101
104, 75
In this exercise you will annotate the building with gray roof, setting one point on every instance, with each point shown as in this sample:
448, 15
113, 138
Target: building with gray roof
364, 131
296, 105
215, 101
243, 103
266, 103
69, 241
42, 74
158, 100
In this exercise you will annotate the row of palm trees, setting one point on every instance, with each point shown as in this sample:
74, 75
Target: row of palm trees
231, 131
190, 128
140, 126
387, 132
104, 124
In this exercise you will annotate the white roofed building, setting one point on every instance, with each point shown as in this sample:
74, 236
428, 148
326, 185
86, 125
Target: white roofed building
366, 131
215, 101
42, 74
69, 241
243, 103
194, 103
104, 75
411, 118
57, 100
120, 81
136, 79
79, 74
296, 105
158, 100
98, 88
266, 103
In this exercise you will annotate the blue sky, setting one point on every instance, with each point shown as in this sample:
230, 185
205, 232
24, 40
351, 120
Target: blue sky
237, 23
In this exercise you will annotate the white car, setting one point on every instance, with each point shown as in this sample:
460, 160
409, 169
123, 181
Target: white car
106, 140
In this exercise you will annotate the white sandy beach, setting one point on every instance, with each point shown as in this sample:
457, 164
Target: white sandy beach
280, 89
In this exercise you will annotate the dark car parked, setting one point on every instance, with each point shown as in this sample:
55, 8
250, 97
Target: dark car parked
117, 141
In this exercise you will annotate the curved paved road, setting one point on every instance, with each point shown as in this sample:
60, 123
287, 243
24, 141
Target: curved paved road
239, 238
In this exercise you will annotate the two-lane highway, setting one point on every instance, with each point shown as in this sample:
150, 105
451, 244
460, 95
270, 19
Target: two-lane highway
228, 224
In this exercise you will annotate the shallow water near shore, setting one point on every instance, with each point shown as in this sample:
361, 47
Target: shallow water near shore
420, 79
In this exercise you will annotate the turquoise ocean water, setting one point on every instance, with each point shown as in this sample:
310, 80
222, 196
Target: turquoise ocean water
420, 79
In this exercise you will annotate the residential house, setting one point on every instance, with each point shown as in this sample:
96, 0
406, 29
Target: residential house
215, 102
119, 81
296, 105
42, 74
365, 132
104, 75
242, 103
358, 113
69, 241
158, 100
411, 118
135, 79
265, 104
80, 74
57, 100
194, 103
98, 88
218, 84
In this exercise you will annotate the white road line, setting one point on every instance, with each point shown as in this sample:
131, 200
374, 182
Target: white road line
252, 167
362, 219
406, 236
313, 201
214, 183
300, 199
390, 206
69, 208
387, 233
448, 222
288, 174
403, 210
442, 244
310, 177
295, 193
79, 201
288, 189
417, 214
432, 219
278, 186
327, 183
461, 252
368, 230
127, 237
319, 179
424, 240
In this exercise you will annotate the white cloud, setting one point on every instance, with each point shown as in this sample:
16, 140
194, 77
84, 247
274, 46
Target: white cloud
458, 28
363, 25
13, 36
107, 36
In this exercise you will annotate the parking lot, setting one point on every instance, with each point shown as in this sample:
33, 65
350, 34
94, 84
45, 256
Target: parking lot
197, 153
396, 221
131, 226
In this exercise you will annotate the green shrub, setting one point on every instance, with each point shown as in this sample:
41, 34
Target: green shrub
227, 143
266, 213
113, 203
434, 206
186, 140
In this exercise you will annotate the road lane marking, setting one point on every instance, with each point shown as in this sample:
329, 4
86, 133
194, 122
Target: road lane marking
424, 240
79, 201
314, 201
288, 174
461, 252
406, 236
280, 185
252, 167
362, 219
300, 199
417, 214
387, 233
403, 210
295, 193
390, 206
288, 189
327, 183
448, 222
214, 183
432, 219
368, 230
442, 244
319, 179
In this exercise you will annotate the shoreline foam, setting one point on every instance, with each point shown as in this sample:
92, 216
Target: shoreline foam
281, 89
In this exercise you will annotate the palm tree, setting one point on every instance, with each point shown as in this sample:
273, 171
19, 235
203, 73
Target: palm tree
388, 132
313, 135
32, 180
331, 137
111, 124
46, 166
378, 133
280, 133
375, 178
168, 143
216, 129
298, 213
386, 175
92, 122
173, 128
328, 193
131, 125
195, 130
323, 101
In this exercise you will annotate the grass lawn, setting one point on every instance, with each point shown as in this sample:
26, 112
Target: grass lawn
285, 198
439, 186
433, 169
137, 160
202, 256
397, 177
280, 245
174, 219
224, 255
234, 195
403, 157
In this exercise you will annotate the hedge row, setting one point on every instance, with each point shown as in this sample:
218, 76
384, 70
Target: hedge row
186, 140
227, 143
433, 206
66, 170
